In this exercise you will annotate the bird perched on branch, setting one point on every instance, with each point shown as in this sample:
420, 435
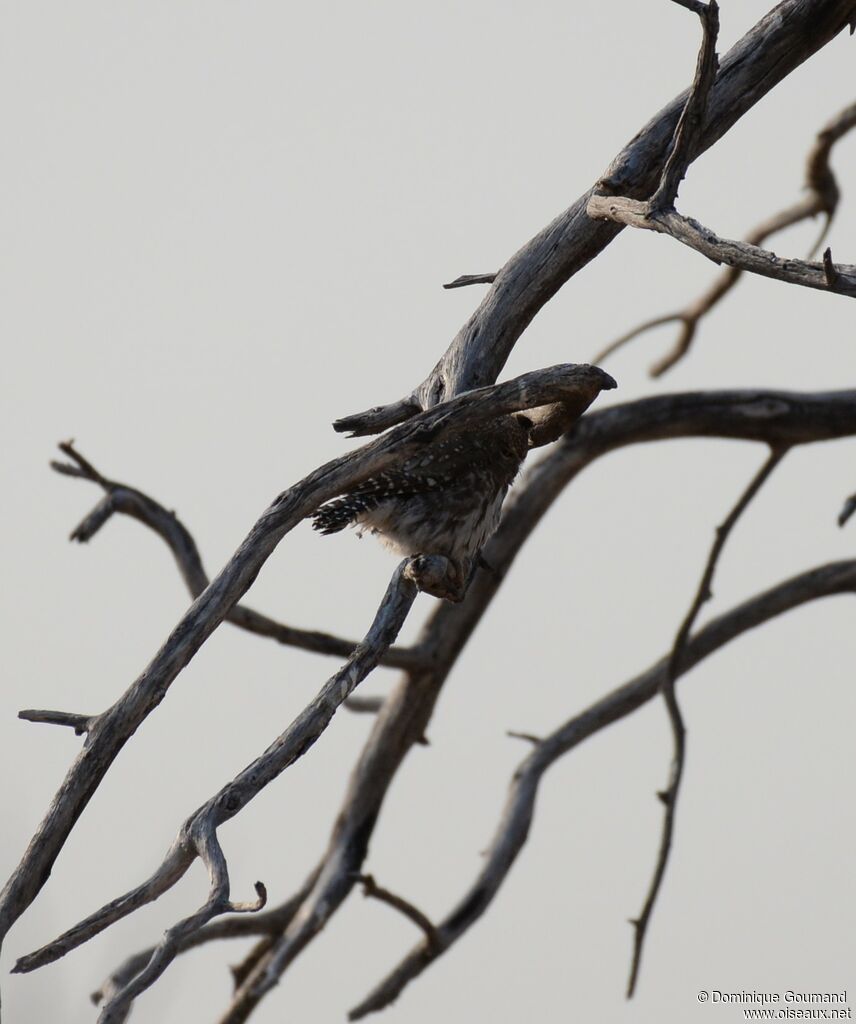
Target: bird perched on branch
445, 500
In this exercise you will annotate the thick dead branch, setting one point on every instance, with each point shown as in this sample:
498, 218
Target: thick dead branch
669, 796
770, 51
114, 727
821, 198
513, 827
725, 250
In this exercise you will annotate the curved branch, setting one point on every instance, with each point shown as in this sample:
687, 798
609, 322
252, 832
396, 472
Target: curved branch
263, 922
403, 906
207, 848
740, 255
513, 827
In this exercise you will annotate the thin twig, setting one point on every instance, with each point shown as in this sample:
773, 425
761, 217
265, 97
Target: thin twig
527, 736
371, 888
691, 122
80, 723
364, 705
467, 279
266, 922
669, 796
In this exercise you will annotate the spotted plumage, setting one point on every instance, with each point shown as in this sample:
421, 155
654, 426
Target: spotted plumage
444, 500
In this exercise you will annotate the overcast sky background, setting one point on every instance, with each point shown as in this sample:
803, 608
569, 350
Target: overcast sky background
227, 225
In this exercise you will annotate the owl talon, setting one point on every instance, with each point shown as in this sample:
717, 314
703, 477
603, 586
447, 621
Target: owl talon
438, 576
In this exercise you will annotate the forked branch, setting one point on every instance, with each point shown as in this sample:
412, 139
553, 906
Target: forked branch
821, 198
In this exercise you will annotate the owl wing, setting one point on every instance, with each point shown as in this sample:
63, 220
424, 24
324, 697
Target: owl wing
434, 468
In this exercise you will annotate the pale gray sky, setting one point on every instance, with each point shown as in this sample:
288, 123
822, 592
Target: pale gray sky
226, 225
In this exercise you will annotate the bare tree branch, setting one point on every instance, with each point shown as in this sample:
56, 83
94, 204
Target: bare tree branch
821, 198
513, 827
405, 907
468, 279
268, 922
691, 122
847, 510
669, 796
724, 250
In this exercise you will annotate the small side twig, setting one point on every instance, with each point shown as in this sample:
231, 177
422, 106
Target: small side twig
208, 848
669, 796
378, 419
414, 914
829, 270
364, 705
468, 279
265, 923
527, 736
691, 122
80, 723
847, 510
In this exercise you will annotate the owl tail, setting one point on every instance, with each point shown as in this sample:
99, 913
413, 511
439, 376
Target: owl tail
336, 515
